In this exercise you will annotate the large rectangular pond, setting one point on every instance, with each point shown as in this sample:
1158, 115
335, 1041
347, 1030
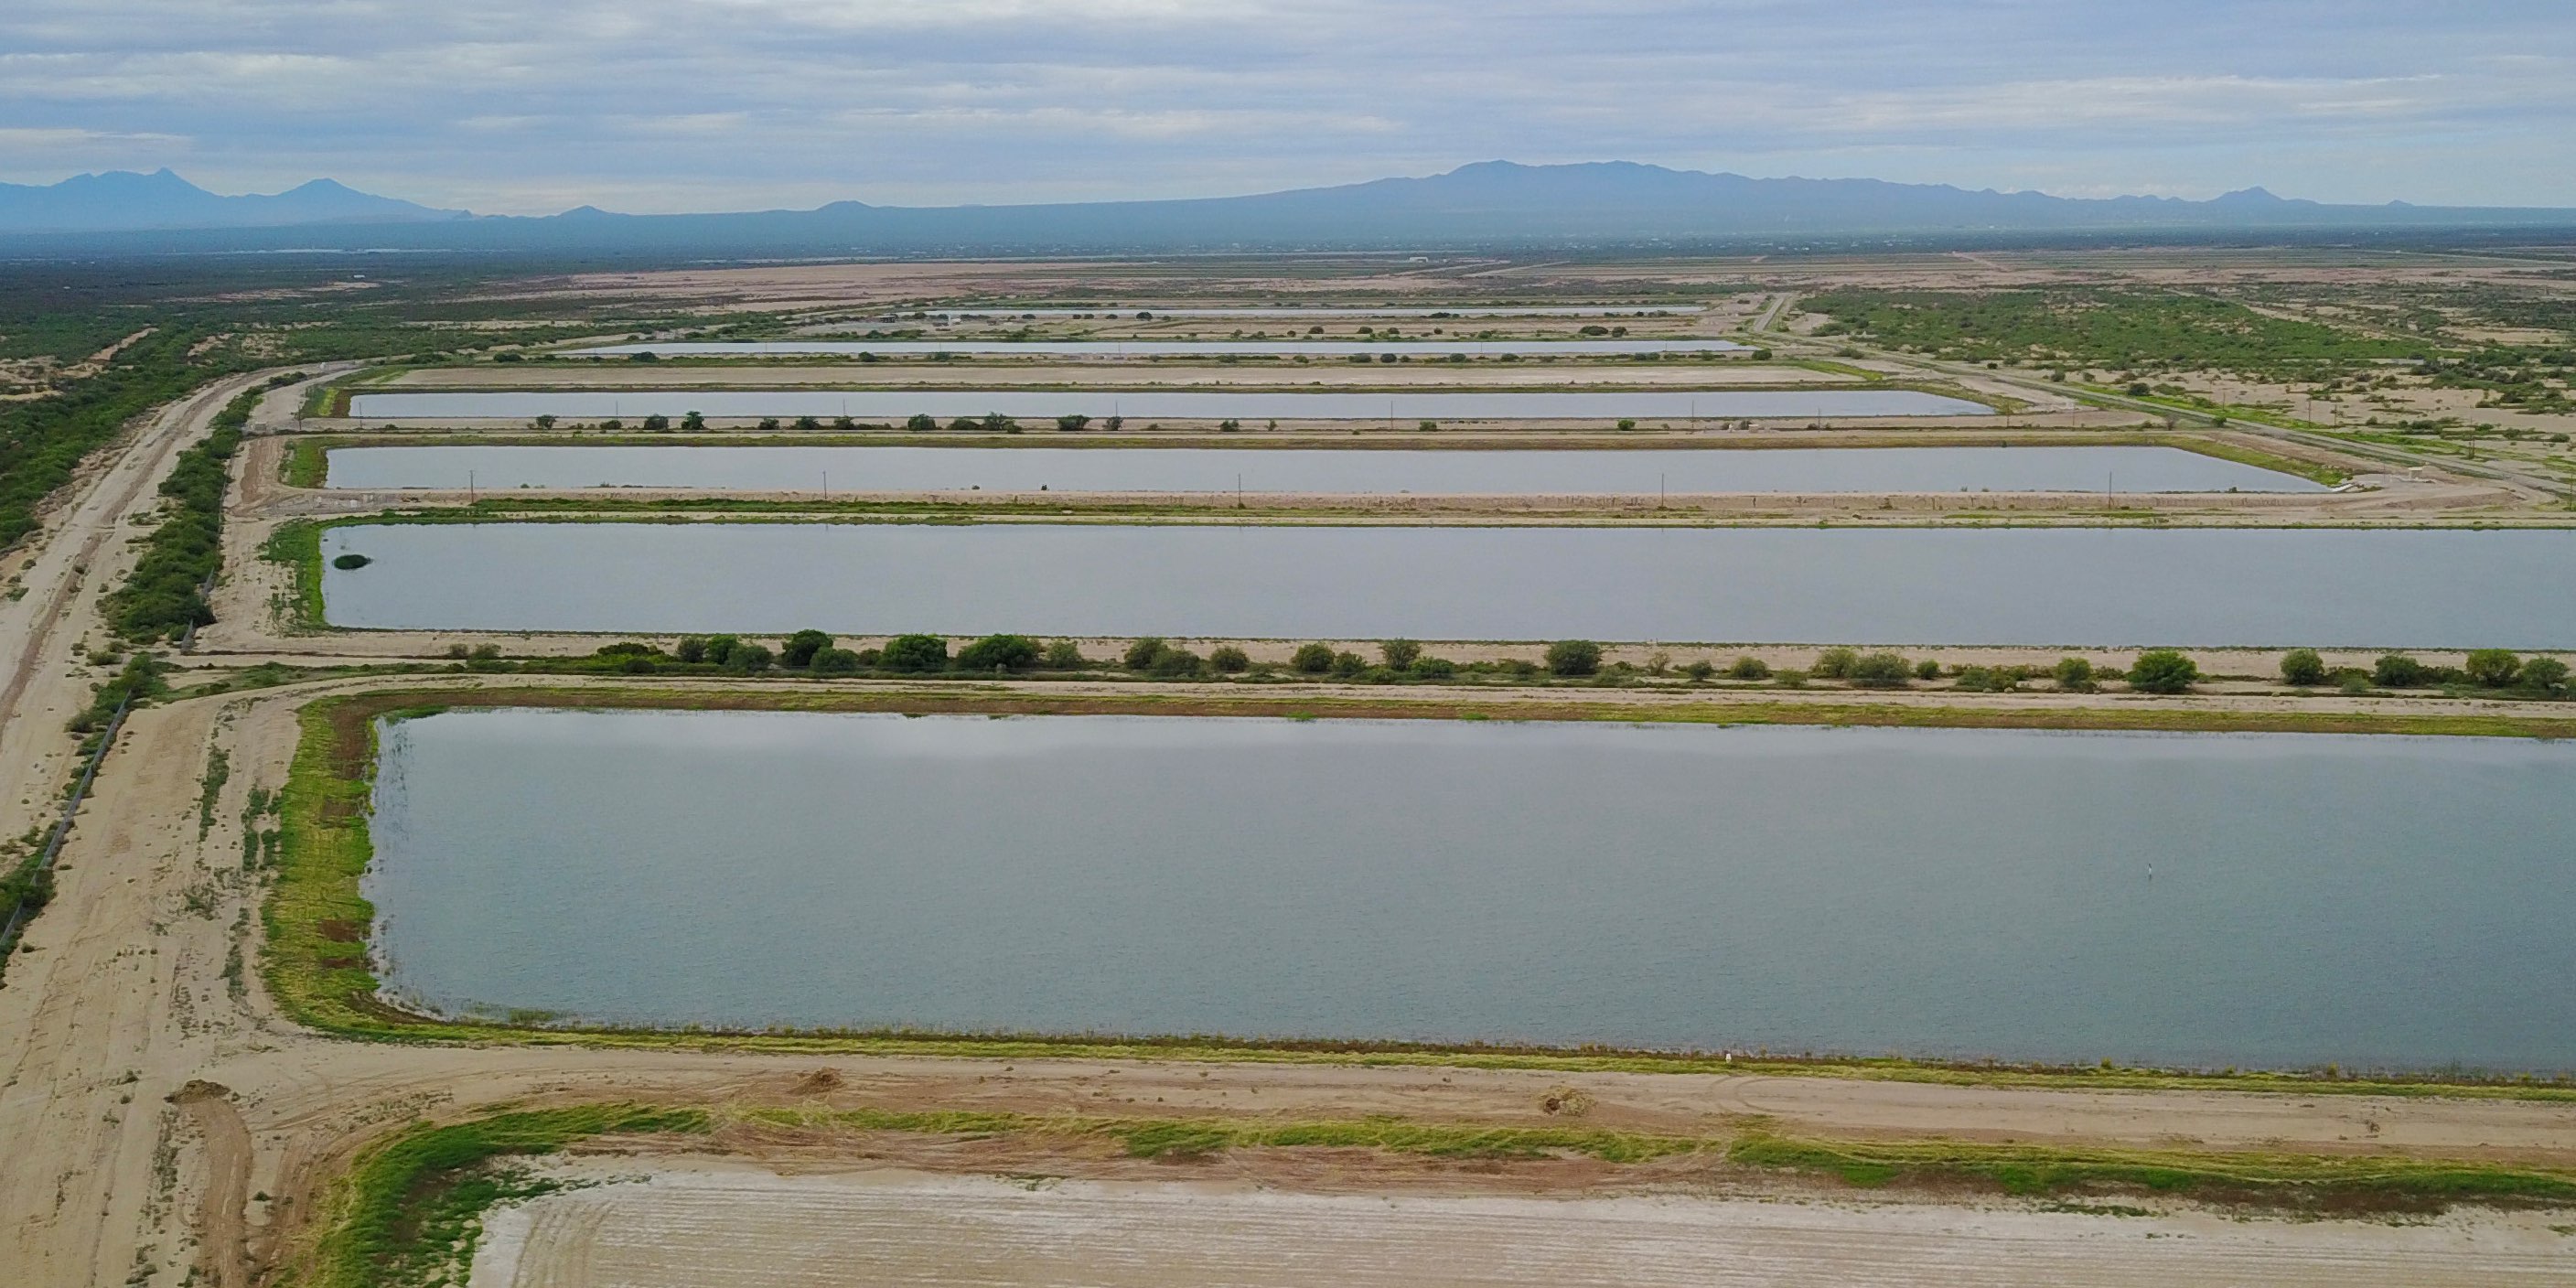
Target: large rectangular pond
1173, 469
1298, 311
1044, 405
2203, 587
1163, 348
2258, 900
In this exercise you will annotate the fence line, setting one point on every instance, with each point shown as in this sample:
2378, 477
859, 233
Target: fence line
63, 826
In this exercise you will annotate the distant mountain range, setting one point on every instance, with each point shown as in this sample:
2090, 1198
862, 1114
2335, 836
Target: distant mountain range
1488, 203
123, 201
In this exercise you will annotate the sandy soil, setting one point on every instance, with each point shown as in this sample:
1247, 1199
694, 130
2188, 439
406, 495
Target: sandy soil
894, 1227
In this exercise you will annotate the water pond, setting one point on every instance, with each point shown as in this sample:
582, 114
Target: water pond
1293, 470
2197, 587
1044, 405
2255, 900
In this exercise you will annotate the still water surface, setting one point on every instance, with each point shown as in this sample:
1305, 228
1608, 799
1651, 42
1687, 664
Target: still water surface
1142, 404
2200, 587
2255, 900
1167, 348
1174, 469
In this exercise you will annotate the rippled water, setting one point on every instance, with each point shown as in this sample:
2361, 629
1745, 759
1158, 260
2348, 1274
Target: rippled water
2210, 900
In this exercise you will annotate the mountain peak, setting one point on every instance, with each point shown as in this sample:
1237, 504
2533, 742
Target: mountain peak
124, 201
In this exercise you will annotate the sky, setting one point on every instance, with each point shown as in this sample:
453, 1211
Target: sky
523, 107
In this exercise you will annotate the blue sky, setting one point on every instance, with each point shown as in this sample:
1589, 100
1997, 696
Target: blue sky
509, 106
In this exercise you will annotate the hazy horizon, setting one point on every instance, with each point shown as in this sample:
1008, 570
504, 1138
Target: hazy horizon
654, 106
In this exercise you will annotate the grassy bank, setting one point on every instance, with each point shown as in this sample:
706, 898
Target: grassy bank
409, 1210
317, 964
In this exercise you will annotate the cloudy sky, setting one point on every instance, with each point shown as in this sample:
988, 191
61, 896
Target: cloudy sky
519, 106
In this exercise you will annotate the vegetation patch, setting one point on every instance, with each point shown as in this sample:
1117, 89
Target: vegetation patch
2135, 330
410, 1210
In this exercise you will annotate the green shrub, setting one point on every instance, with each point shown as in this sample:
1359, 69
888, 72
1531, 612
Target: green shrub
914, 653
1346, 665
691, 649
2491, 668
350, 562
800, 648
750, 659
2302, 667
1573, 657
1790, 679
922, 423
1142, 653
834, 661
1433, 668
1699, 670
484, 653
2398, 671
1172, 663
2544, 675
1229, 659
1927, 669
1879, 671
719, 648
2354, 682
1311, 659
1399, 654
999, 653
1748, 667
1065, 655
2074, 675
1833, 664
2163, 670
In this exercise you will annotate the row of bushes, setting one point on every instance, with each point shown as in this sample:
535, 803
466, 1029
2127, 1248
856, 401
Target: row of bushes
2486, 668
163, 596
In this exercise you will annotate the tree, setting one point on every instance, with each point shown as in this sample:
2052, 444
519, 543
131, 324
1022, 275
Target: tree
691, 649
1065, 655
1346, 665
1311, 659
922, 423
2163, 670
834, 661
1399, 654
545, 422
693, 423
800, 648
1229, 426
611, 425
719, 648
2302, 667
914, 653
2074, 674
2491, 668
1229, 659
1142, 653
808, 425
750, 659
1573, 657
646, 355
1072, 424
2398, 671
997, 423
657, 424
1172, 663
999, 653
1699, 669
1114, 424
1879, 671
2545, 675
1833, 664
768, 425
1748, 667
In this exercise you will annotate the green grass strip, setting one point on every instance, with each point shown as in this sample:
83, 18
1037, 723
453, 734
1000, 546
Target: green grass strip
411, 1209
